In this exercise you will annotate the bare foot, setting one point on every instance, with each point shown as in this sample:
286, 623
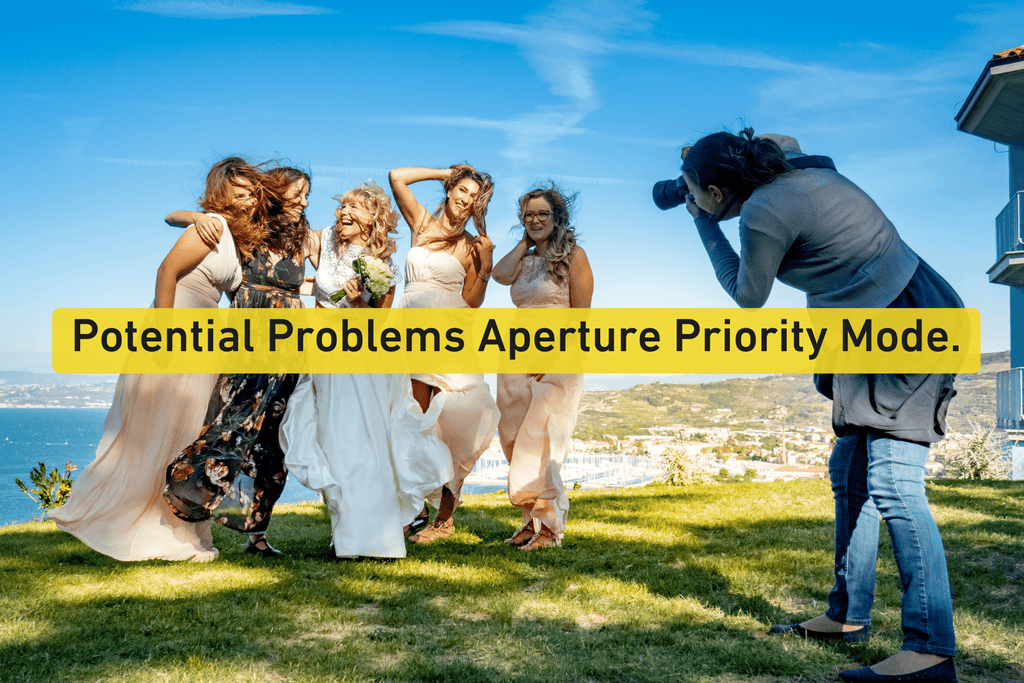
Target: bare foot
205, 556
907, 662
823, 624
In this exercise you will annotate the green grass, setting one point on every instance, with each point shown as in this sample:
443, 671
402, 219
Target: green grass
651, 584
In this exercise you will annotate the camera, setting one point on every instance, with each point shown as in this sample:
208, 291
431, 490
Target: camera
669, 194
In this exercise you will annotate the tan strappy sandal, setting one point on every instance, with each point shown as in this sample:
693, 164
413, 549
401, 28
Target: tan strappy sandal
434, 531
521, 537
545, 538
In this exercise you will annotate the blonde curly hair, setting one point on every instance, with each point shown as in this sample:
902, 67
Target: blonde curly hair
384, 219
563, 237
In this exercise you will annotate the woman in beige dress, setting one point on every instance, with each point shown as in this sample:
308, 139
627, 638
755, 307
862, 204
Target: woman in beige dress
546, 269
116, 506
447, 267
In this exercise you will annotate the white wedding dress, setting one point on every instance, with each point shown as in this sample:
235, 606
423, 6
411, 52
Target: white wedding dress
469, 415
362, 440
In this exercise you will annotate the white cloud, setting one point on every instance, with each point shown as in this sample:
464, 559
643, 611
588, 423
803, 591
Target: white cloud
223, 9
565, 42
561, 43
526, 133
349, 170
78, 130
808, 85
142, 162
586, 180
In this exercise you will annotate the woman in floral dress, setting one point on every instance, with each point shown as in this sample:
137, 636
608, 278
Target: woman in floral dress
237, 457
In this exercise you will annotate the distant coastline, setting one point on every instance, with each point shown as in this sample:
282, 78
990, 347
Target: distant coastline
52, 407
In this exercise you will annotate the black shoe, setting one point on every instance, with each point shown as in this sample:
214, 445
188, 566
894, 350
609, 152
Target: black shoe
421, 520
859, 636
265, 552
943, 672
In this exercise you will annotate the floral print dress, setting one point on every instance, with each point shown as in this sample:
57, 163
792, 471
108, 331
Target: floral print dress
236, 466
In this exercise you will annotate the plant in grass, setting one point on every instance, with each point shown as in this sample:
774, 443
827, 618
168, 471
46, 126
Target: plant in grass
681, 469
51, 490
975, 456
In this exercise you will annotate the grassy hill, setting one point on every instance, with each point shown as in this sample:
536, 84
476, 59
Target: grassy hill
656, 584
748, 402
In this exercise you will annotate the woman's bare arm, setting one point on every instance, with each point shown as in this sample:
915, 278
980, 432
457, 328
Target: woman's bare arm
478, 271
185, 255
313, 247
506, 271
401, 178
210, 228
581, 279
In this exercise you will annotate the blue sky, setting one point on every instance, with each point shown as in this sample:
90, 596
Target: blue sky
113, 111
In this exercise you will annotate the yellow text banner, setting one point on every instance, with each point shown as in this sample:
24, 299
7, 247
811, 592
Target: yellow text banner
599, 340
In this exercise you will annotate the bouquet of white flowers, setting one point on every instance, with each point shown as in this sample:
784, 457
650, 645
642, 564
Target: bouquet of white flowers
376, 276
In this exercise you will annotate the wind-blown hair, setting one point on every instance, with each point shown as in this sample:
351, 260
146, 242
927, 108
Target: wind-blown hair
558, 253
478, 213
248, 226
740, 163
384, 221
286, 237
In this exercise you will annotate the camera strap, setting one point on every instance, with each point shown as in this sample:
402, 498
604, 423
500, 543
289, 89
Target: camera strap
812, 161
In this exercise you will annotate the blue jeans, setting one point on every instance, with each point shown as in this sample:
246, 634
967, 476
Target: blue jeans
874, 475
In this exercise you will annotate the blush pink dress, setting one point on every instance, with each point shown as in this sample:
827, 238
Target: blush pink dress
116, 505
469, 415
538, 415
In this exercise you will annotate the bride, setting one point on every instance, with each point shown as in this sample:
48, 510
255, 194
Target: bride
362, 440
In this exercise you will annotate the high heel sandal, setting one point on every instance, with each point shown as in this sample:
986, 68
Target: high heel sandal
521, 537
545, 538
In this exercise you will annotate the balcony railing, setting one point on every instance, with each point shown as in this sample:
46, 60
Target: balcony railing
1009, 400
1008, 227
1009, 266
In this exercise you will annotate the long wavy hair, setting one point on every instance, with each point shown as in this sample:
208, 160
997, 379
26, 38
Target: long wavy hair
248, 225
478, 213
384, 221
741, 163
558, 253
285, 236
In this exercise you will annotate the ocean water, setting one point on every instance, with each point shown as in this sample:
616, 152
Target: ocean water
56, 436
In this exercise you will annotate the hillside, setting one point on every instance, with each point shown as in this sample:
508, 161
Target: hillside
751, 403
742, 403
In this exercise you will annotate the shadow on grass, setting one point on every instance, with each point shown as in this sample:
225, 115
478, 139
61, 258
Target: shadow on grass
649, 582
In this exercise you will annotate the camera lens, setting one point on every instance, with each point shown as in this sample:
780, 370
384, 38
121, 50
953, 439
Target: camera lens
668, 194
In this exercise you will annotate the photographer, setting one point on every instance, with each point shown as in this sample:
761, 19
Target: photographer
803, 223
